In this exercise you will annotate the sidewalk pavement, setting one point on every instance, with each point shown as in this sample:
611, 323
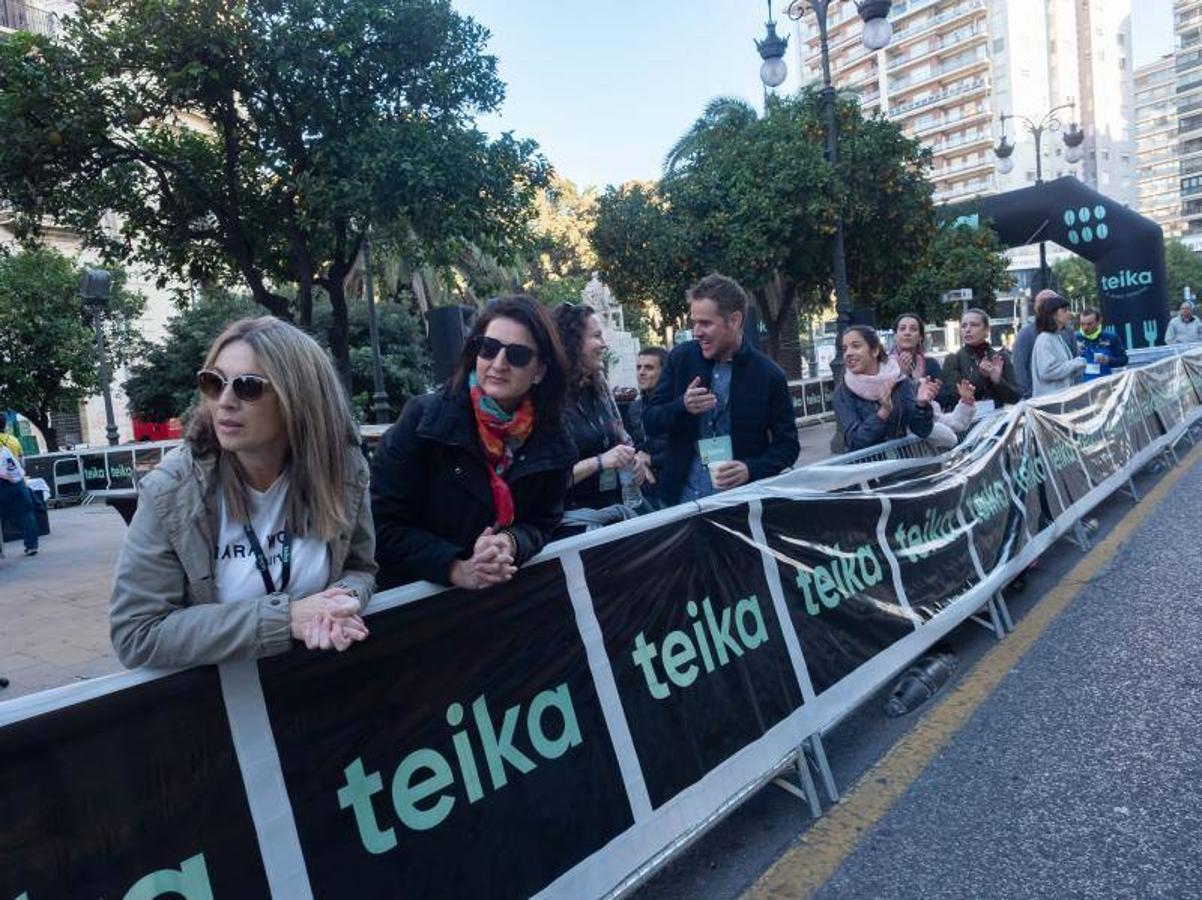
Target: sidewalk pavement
54, 606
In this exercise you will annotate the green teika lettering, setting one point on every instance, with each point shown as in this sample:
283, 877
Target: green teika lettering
717, 638
190, 881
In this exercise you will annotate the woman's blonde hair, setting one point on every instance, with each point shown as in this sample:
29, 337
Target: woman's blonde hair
317, 420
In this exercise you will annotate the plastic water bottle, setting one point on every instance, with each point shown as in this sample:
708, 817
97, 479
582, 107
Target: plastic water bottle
920, 682
631, 495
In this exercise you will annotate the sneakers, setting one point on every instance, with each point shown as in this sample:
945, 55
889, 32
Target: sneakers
31, 551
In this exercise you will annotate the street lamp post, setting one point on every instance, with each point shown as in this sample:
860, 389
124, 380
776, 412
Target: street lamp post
96, 291
381, 411
877, 34
1073, 138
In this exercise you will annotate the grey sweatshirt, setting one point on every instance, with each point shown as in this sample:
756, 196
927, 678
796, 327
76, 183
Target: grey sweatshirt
1182, 332
1053, 366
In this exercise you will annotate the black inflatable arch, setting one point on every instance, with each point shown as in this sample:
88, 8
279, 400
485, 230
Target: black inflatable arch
1127, 249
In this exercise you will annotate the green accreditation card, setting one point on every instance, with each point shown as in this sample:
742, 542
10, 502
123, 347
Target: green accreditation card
715, 450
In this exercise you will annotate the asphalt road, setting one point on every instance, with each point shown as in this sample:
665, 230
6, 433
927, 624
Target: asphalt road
1077, 777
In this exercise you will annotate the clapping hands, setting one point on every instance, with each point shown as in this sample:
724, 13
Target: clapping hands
992, 366
928, 390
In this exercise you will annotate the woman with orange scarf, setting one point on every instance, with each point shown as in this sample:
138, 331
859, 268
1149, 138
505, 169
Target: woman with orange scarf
470, 482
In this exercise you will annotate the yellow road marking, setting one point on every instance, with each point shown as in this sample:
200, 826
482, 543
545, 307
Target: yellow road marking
808, 866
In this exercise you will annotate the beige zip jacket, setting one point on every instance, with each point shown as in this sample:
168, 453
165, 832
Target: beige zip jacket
163, 610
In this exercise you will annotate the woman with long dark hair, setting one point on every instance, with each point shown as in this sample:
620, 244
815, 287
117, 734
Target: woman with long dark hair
875, 403
909, 348
257, 530
469, 483
605, 452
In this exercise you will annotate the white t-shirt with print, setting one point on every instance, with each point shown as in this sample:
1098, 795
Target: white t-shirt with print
238, 577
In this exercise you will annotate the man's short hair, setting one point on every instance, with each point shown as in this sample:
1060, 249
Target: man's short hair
658, 352
728, 295
1090, 311
1045, 294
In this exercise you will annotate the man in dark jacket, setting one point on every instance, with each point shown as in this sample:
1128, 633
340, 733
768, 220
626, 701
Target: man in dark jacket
1103, 351
650, 368
723, 406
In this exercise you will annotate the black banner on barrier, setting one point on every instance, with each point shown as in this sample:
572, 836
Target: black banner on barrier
695, 644
837, 584
460, 752
929, 538
136, 795
95, 472
121, 470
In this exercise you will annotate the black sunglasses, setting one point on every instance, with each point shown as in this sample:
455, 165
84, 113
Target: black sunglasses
518, 355
247, 388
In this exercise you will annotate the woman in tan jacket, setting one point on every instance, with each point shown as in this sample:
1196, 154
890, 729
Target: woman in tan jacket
258, 530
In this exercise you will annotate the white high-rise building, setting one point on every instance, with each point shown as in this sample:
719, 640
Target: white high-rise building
1159, 169
1187, 21
955, 66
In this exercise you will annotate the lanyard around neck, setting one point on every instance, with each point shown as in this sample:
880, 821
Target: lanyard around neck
261, 559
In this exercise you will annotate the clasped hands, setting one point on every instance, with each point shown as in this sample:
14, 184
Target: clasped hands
327, 619
492, 562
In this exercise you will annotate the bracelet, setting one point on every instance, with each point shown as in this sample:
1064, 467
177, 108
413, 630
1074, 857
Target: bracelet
513, 543
600, 464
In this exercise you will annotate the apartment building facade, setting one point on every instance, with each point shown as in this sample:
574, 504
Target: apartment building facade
955, 66
1187, 27
1156, 134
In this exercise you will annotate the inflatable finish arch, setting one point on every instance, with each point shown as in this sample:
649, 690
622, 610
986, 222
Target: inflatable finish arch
1127, 249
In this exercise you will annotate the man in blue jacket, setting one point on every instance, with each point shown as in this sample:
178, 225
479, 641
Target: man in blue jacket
1102, 351
723, 406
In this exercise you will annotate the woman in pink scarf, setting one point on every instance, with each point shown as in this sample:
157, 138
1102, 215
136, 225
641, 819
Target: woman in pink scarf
876, 403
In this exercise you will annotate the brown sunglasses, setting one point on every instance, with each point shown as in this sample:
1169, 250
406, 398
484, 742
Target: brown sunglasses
247, 388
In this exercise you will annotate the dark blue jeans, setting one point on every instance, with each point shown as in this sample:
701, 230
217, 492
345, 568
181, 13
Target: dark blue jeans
16, 502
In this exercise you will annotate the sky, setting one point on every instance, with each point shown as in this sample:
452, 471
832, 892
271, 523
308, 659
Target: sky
607, 87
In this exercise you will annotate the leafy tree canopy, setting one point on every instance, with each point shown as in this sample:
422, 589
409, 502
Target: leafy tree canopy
754, 197
162, 383
47, 341
958, 256
255, 143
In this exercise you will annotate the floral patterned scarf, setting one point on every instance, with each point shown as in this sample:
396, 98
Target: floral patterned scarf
500, 434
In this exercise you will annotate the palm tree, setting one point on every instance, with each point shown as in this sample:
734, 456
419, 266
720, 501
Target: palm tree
721, 115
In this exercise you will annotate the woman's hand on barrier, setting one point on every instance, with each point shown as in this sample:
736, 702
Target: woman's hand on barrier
968, 394
618, 457
928, 390
334, 604
327, 632
491, 563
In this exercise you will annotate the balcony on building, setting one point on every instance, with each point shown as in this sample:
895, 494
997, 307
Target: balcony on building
16, 15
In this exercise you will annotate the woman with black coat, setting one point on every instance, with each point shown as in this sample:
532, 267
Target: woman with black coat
875, 402
470, 482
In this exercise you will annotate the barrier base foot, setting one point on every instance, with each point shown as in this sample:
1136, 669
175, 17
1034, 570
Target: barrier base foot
817, 755
1003, 612
995, 621
808, 791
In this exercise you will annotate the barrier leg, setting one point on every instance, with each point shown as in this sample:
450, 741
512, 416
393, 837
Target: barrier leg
824, 769
808, 791
1080, 537
994, 622
1003, 611
1131, 490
